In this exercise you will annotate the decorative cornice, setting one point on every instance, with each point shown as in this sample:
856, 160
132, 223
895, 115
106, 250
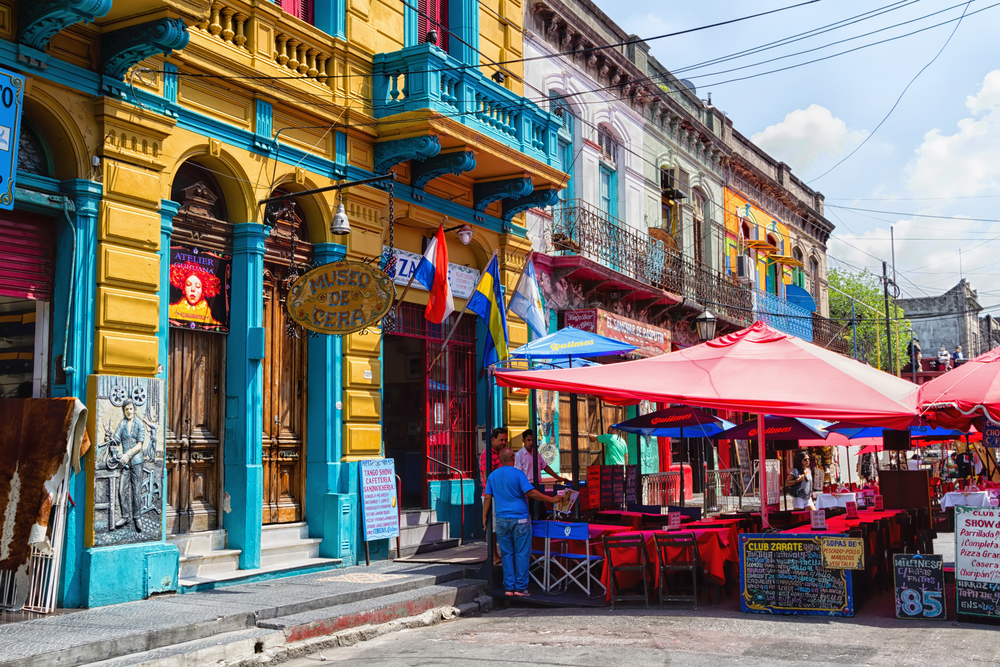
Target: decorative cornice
424, 171
121, 49
39, 20
484, 194
390, 153
539, 198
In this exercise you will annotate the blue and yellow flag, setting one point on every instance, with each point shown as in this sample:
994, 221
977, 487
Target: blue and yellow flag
487, 302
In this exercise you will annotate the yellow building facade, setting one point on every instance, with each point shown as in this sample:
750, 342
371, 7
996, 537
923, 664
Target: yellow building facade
152, 130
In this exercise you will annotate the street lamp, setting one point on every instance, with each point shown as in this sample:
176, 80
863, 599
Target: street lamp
340, 225
706, 325
465, 233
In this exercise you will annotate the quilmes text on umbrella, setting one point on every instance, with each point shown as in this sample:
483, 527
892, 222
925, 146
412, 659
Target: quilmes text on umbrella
770, 430
573, 343
668, 419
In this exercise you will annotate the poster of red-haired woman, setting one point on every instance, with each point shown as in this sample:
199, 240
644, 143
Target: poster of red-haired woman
199, 288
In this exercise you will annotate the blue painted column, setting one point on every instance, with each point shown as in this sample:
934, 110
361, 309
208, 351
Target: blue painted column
244, 485
168, 210
463, 22
330, 510
79, 353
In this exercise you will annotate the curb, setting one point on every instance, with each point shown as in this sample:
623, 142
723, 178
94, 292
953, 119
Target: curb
299, 649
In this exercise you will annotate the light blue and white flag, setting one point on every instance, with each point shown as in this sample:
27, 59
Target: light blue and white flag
526, 302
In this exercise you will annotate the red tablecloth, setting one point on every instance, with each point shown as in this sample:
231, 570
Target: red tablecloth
715, 547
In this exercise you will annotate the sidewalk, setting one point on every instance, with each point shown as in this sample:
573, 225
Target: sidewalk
299, 607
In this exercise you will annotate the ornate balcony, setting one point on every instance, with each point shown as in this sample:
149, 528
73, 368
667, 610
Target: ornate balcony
425, 77
577, 228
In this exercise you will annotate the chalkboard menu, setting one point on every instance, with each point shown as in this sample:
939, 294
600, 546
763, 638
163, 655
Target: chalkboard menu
977, 561
631, 484
618, 485
785, 575
919, 586
607, 488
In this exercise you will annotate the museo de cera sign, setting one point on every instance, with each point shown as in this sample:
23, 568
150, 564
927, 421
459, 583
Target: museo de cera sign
341, 297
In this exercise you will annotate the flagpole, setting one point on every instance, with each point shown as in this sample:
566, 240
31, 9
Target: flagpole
517, 285
455, 326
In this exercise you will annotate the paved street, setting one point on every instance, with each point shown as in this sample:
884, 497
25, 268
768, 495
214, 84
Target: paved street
712, 637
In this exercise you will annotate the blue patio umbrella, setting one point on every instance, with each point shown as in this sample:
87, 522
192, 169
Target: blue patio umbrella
677, 422
568, 345
570, 342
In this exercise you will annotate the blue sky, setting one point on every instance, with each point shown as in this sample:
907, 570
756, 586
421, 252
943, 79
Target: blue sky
938, 154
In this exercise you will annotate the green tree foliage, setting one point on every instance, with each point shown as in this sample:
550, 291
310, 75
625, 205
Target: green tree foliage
866, 289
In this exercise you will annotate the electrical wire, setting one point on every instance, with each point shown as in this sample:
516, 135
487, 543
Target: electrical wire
899, 99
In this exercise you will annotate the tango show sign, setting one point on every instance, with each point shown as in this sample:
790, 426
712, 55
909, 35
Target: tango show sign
341, 298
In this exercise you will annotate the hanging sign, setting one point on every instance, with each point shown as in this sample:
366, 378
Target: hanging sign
378, 498
991, 433
651, 340
11, 103
843, 553
341, 298
199, 288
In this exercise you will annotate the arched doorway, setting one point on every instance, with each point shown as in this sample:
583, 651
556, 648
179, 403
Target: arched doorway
196, 382
288, 254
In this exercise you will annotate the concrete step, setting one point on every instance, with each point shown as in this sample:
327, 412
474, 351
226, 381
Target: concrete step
281, 533
198, 543
417, 517
128, 630
433, 532
428, 547
275, 553
286, 630
329, 620
210, 562
287, 567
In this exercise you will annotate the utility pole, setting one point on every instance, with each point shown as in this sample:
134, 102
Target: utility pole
854, 325
888, 327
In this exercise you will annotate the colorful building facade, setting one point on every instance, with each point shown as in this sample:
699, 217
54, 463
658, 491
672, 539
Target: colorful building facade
225, 436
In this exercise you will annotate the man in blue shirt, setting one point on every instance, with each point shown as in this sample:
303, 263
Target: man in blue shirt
510, 489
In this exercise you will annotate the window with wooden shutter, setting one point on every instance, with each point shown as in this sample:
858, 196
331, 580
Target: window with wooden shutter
433, 14
608, 145
300, 9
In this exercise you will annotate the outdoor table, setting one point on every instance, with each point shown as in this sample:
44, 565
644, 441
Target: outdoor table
832, 500
634, 519
972, 499
596, 531
715, 547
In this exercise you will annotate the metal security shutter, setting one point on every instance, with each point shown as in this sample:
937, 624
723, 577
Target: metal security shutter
27, 256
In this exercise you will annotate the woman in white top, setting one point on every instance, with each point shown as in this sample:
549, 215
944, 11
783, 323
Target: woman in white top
799, 482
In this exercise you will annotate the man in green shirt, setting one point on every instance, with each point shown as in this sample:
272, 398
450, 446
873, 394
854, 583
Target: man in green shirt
615, 449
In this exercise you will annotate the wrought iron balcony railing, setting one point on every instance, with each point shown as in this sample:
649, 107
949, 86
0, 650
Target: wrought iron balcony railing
578, 228
425, 77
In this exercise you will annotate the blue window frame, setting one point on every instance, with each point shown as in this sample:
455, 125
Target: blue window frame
609, 191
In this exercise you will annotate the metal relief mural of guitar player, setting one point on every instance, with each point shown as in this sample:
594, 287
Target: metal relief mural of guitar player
128, 498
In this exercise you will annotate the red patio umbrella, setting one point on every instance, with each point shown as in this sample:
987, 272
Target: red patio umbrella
758, 369
964, 394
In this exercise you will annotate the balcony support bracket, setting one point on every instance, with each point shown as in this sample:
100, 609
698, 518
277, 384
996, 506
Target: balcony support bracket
484, 194
390, 153
40, 20
537, 199
121, 49
424, 171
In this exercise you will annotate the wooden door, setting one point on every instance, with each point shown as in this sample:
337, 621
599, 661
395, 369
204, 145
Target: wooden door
283, 443
194, 424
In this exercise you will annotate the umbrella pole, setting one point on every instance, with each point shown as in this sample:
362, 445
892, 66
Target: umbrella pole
574, 444
762, 454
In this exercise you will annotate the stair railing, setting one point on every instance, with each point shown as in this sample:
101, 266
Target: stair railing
399, 515
461, 495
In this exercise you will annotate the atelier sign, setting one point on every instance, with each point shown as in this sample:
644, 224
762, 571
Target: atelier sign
341, 297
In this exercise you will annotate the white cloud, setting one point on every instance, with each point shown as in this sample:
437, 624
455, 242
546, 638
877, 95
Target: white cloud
806, 135
965, 163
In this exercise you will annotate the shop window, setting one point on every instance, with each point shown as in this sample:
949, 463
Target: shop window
300, 9
433, 15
